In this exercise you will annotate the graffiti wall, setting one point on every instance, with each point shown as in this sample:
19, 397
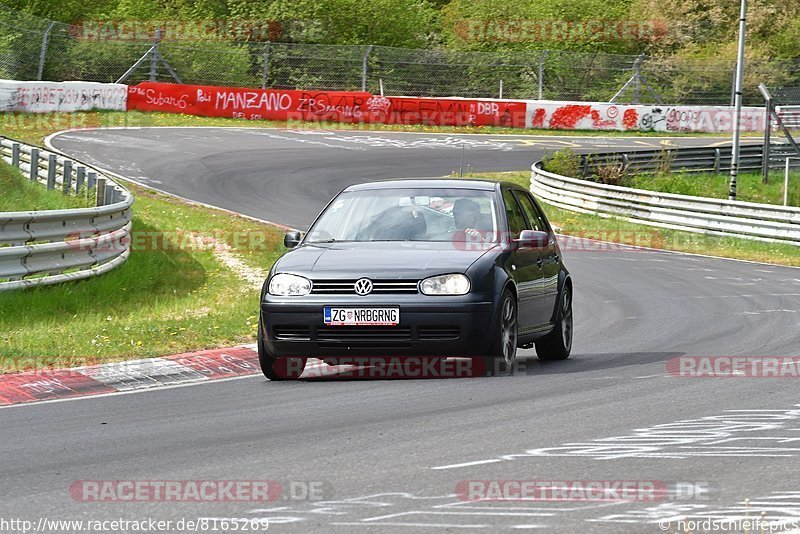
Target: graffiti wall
647, 118
252, 104
352, 107
46, 97
272, 104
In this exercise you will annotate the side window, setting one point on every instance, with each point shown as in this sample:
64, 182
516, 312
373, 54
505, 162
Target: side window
516, 221
534, 215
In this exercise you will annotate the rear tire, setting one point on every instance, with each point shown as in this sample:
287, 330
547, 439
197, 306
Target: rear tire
280, 368
503, 358
557, 345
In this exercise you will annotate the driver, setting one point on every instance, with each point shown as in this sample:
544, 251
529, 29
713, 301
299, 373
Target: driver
467, 217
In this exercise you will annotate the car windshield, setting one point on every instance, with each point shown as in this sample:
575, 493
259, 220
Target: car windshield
424, 214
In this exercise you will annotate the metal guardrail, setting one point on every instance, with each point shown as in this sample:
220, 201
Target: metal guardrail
712, 160
53, 246
764, 222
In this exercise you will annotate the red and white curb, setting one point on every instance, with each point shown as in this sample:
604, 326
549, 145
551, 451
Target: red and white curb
121, 377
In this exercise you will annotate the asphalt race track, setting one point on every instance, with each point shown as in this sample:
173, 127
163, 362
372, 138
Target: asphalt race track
288, 176
391, 455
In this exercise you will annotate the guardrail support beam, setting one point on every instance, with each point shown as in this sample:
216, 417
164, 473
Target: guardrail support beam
34, 171
100, 192
67, 185
52, 164
15, 155
80, 175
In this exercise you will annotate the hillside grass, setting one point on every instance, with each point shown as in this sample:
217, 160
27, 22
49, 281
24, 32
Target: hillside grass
167, 298
18, 193
749, 186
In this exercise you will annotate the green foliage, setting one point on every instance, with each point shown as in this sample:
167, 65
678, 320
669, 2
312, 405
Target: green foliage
534, 25
563, 162
690, 44
402, 23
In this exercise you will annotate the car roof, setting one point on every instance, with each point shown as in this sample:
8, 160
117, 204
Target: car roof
427, 183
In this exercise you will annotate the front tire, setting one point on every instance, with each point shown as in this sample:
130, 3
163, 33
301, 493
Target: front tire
503, 358
280, 368
557, 345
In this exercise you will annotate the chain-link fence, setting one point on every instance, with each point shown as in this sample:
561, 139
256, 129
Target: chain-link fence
32, 48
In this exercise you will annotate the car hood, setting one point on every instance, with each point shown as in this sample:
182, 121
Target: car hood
391, 259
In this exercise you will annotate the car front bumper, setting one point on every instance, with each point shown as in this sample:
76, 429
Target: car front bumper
429, 327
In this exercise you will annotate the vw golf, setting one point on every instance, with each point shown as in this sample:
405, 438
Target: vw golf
418, 268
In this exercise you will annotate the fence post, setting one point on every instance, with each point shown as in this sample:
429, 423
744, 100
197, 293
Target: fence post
34, 172
154, 57
80, 173
541, 72
717, 160
67, 177
100, 191
637, 76
265, 70
501, 89
43, 50
52, 167
91, 179
364, 69
15, 154
767, 132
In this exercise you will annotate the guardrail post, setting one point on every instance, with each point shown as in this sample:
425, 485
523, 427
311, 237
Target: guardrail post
717, 159
99, 190
67, 185
92, 179
52, 164
108, 198
80, 173
15, 154
34, 173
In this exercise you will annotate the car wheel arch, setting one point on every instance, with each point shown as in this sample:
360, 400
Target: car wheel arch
565, 280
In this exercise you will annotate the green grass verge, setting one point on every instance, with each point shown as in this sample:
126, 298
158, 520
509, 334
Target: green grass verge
621, 231
167, 298
17, 193
32, 127
748, 186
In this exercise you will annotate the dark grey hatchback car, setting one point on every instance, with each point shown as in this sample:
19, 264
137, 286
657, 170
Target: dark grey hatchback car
418, 268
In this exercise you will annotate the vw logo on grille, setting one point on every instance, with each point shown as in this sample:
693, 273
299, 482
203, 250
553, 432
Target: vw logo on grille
363, 286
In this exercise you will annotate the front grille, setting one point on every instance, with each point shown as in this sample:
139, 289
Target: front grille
363, 333
291, 332
438, 332
347, 287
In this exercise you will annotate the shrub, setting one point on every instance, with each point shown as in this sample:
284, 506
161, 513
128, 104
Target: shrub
563, 162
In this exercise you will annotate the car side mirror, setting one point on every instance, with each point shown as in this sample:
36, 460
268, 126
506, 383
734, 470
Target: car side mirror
291, 239
534, 239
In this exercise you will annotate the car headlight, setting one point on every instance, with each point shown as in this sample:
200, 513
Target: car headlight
289, 285
446, 284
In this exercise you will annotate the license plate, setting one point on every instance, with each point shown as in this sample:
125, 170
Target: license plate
361, 316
